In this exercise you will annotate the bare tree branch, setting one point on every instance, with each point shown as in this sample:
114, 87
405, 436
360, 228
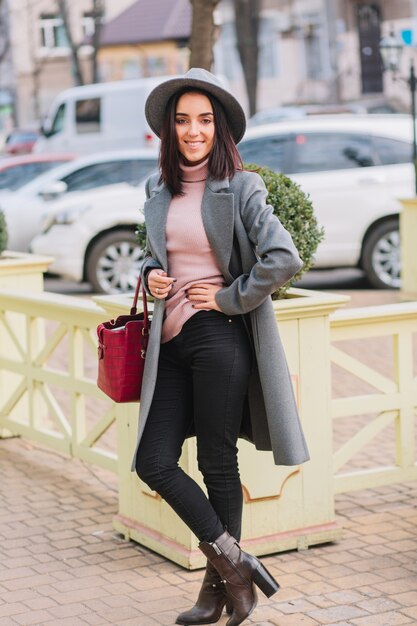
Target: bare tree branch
62, 6
202, 33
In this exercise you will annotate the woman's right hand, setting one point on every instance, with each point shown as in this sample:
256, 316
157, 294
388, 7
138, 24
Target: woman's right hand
159, 284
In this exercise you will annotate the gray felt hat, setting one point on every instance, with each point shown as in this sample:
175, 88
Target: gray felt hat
196, 78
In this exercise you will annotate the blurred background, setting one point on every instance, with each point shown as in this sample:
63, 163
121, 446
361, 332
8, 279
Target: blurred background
306, 51
310, 69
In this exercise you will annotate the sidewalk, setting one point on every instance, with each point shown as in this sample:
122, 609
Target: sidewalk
62, 564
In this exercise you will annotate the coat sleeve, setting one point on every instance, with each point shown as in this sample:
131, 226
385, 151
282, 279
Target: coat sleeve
278, 259
149, 263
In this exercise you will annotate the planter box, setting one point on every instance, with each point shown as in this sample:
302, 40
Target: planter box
408, 235
22, 272
284, 507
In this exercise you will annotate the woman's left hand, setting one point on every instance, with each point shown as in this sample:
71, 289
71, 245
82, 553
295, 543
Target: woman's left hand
202, 296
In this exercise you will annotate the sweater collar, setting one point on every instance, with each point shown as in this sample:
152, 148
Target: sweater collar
195, 173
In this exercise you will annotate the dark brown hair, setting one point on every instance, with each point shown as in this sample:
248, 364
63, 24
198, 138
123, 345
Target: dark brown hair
224, 158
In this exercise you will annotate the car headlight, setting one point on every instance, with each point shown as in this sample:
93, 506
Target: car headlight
67, 216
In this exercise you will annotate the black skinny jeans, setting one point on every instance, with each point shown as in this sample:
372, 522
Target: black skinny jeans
203, 375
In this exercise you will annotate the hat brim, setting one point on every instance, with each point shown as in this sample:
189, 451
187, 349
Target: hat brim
158, 99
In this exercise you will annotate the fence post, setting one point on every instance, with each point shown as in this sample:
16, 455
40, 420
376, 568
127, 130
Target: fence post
23, 273
408, 235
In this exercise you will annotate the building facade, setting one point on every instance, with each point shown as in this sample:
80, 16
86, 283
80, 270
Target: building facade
40, 55
148, 38
310, 51
317, 51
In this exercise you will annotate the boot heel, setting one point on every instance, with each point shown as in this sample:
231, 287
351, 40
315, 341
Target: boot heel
266, 583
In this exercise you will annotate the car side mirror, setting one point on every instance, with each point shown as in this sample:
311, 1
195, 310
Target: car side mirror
53, 190
45, 128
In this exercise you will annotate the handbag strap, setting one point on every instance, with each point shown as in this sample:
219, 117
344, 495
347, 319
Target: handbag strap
144, 300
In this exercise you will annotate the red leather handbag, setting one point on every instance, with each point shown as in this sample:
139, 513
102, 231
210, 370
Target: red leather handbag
122, 347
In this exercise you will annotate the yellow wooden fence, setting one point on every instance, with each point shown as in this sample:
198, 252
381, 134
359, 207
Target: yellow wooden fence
48, 390
375, 352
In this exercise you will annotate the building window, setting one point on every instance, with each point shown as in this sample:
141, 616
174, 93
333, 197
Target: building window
227, 58
313, 53
88, 116
88, 23
131, 68
268, 49
53, 33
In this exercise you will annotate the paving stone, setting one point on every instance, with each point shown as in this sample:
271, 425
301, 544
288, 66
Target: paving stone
32, 617
383, 619
378, 605
411, 611
339, 612
297, 619
408, 598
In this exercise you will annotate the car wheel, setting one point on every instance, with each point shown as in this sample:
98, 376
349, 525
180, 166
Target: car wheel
114, 262
381, 258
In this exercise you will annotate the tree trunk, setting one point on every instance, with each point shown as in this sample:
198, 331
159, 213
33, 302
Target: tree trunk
202, 33
98, 12
4, 32
247, 30
75, 62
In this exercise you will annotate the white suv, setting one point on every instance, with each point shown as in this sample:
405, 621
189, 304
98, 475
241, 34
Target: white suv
355, 168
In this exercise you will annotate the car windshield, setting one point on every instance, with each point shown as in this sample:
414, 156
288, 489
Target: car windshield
13, 178
66, 171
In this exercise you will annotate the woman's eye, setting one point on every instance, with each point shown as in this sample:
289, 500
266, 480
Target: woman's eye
180, 121
207, 120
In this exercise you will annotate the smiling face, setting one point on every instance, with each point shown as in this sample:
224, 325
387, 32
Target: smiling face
194, 127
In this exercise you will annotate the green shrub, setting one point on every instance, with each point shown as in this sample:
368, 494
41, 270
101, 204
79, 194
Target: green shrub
295, 211
3, 233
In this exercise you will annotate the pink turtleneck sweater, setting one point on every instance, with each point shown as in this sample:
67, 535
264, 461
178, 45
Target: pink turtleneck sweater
190, 257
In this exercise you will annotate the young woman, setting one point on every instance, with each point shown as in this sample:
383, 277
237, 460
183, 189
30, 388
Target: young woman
215, 366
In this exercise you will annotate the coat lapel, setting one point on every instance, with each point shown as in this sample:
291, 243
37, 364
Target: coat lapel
156, 211
217, 210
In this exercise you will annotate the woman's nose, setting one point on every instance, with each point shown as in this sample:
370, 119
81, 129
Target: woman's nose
193, 129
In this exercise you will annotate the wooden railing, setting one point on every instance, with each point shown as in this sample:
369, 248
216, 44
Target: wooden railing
374, 389
49, 394
48, 376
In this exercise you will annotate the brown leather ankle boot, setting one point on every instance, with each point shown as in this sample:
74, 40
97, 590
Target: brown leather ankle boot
240, 572
210, 601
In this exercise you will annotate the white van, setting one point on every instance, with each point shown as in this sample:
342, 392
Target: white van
101, 116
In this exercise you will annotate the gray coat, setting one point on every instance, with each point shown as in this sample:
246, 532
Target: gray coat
237, 221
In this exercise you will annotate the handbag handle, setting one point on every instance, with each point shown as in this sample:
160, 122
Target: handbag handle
144, 300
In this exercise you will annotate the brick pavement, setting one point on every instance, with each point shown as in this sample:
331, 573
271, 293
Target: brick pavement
61, 563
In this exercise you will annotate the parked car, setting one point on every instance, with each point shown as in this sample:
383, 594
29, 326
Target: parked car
91, 236
356, 107
100, 116
355, 169
23, 209
20, 141
276, 114
19, 170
